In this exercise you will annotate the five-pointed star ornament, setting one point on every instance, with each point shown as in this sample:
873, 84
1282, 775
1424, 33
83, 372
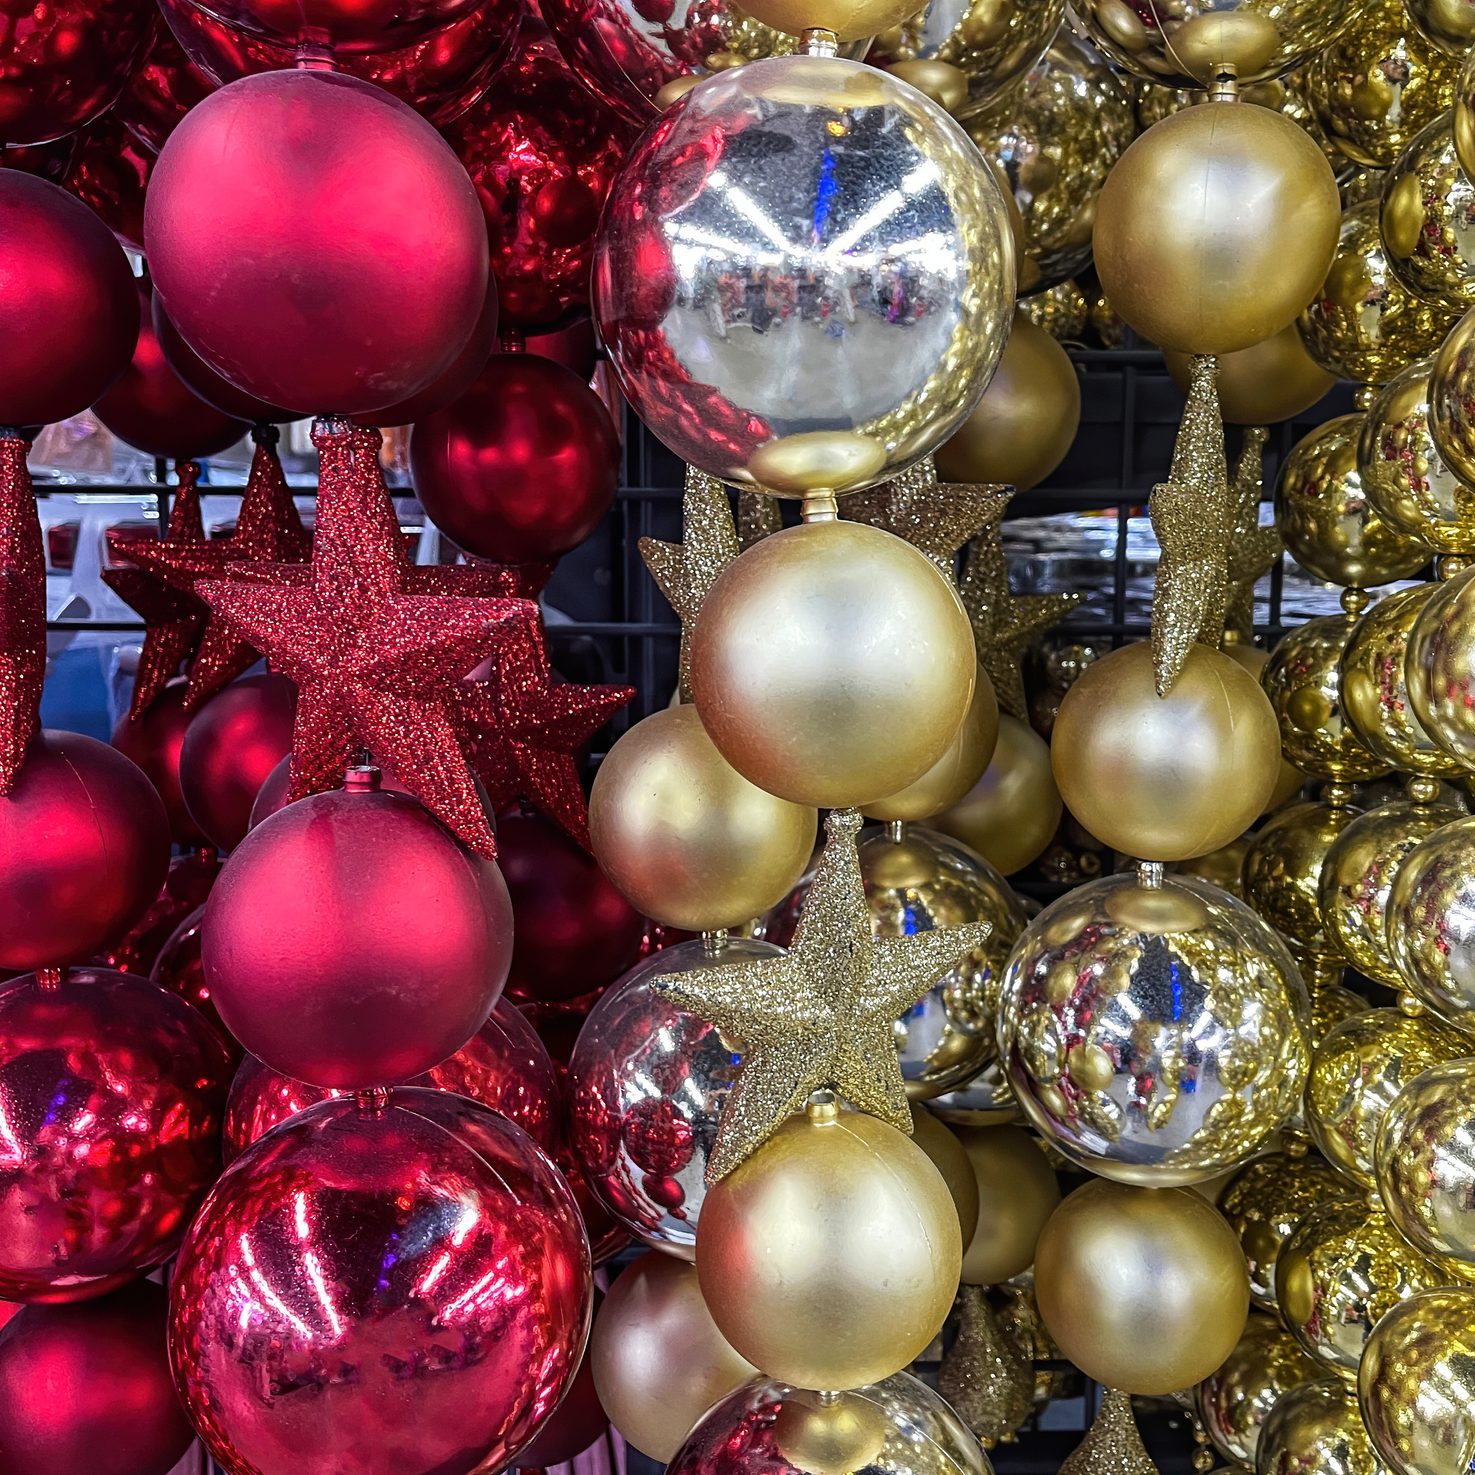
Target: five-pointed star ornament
22, 609
824, 1014
174, 618
377, 665
1190, 514
937, 518
268, 530
1253, 549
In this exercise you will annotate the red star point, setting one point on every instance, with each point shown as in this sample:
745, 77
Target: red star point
22, 609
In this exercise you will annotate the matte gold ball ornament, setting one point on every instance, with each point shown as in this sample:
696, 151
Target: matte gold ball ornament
1234, 1401
1183, 262
1165, 778
1268, 382
1284, 867
1143, 1289
1451, 401
949, 1158
1017, 1192
833, 664
1317, 1427
1431, 907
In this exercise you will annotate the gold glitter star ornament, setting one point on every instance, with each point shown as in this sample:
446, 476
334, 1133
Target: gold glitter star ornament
823, 1015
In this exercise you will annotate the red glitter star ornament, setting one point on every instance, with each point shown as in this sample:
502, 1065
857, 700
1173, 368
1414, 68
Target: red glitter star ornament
377, 665
22, 608
174, 619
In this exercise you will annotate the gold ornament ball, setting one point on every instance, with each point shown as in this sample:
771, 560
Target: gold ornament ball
1357, 881
1451, 420
1464, 119
1343, 1267
1428, 219
1431, 907
658, 1361
1165, 778
959, 768
1012, 813
1143, 1289
1449, 24
1364, 324
1375, 695
687, 839
1153, 1033
1426, 1162
1291, 780
1416, 1384
1181, 258
1263, 384
1235, 1399
1440, 667
1017, 1192
833, 664
1317, 1427
1026, 420
1358, 1070
1267, 1199
1224, 868
830, 1257
1327, 518
850, 20
951, 1160
1303, 679
1283, 871
1413, 488
1062, 311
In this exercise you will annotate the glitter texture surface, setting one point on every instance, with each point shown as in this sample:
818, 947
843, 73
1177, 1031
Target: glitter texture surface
22, 609
936, 517
985, 1377
1252, 549
1112, 1445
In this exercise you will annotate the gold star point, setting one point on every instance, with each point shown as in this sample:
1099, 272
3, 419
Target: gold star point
1252, 549
936, 517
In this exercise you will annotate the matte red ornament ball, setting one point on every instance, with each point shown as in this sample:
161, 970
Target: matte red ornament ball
316, 242
68, 306
153, 741
112, 1093
351, 941
86, 1390
523, 466
204, 382
392, 1288
84, 848
230, 748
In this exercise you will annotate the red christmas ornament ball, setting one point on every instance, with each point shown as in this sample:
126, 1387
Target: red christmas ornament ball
205, 383
51, 161
111, 177
112, 1093
341, 25
573, 931
316, 242
86, 1390
68, 306
503, 1067
523, 466
153, 741
230, 748
352, 941
184, 891
577, 1422
84, 848
411, 1276
162, 91
575, 347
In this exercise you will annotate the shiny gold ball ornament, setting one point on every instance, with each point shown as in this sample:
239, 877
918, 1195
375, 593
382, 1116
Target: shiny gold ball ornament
830, 1257
1144, 1289
833, 664
959, 768
941, 1144
1363, 323
1375, 695
1265, 1201
658, 1361
1303, 679
1440, 667
1343, 1267
1378, 85
1263, 384
1317, 1427
1165, 778
1179, 44
687, 839
1416, 1383
1012, 813
1291, 781
1426, 1162
1153, 1033
1283, 871
1451, 401
1183, 260
1428, 218
1464, 119
1431, 922
1055, 138
1448, 24
1408, 481
1017, 1193
1358, 1070
1062, 311
1235, 1399
1025, 422
1327, 518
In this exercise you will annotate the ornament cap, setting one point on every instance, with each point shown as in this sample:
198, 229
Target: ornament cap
49, 978
1422, 789
818, 41
822, 1108
362, 778
1224, 87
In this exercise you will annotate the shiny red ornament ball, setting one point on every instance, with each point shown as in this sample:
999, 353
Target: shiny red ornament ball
64, 63
523, 466
316, 242
178, 969
153, 741
111, 177
574, 931
112, 1092
347, 26
352, 941
381, 1289
86, 1390
184, 892
503, 1067
574, 346
230, 748
84, 848
51, 161
68, 306
204, 382
578, 1421
161, 92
